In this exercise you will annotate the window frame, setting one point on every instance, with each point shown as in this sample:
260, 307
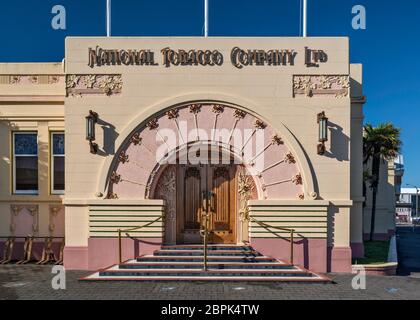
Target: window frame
51, 160
14, 174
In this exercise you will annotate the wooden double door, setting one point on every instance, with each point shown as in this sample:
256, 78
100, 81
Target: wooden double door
206, 189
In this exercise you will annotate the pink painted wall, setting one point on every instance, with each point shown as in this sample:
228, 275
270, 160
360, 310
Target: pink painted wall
308, 253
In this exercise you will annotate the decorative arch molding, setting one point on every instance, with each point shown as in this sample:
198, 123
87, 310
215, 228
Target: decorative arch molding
147, 117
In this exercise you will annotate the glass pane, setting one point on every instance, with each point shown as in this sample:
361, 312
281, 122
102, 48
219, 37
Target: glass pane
58, 143
59, 173
26, 143
26, 173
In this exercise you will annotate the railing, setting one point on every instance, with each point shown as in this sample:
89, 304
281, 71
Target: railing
291, 239
47, 256
126, 231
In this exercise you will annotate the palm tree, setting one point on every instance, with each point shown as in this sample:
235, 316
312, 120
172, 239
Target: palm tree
379, 143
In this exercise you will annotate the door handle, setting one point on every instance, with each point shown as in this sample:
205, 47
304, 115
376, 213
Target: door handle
212, 203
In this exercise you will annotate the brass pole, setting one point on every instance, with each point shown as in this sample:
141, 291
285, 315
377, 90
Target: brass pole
119, 246
205, 242
291, 245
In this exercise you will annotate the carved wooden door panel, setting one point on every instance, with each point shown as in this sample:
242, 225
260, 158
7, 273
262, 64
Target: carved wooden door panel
224, 190
194, 183
191, 181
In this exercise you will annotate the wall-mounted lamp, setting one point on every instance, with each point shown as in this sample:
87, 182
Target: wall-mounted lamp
91, 121
323, 132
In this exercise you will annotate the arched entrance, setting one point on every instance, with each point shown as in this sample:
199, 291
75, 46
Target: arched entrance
142, 170
216, 186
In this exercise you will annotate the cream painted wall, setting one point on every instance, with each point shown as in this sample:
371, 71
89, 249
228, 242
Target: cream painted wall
29, 106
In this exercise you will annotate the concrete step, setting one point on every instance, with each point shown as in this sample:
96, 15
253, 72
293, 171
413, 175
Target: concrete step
201, 273
242, 253
210, 258
225, 263
199, 265
223, 247
317, 279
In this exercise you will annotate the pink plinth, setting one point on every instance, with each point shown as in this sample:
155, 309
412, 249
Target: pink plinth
308, 253
339, 259
357, 250
76, 258
103, 252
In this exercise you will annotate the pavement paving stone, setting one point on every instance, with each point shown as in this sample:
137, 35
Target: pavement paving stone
34, 282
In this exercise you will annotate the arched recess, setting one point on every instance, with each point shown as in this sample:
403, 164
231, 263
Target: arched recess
285, 166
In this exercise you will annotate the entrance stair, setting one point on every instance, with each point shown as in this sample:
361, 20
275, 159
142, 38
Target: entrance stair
225, 263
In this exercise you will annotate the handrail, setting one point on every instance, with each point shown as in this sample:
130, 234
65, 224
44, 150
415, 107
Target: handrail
34, 237
129, 230
292, 232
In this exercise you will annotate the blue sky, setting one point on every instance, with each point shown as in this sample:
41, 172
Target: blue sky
389, 48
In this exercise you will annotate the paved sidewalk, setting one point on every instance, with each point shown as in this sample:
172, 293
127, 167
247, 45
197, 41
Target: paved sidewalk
34, 282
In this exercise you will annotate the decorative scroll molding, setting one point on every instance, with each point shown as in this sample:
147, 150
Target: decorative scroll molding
166, 190
153, 124
239, 114
259, 124
123, 157
93, 84
115, 178
245, 188
297, 179
112, 195
289, 158
311, 86
136, 139
32, 210
54, 211
276, 140
19, 79
218, 109
172, 114
195, 108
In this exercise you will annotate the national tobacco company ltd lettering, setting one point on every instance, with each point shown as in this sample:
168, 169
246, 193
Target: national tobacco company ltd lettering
239, 57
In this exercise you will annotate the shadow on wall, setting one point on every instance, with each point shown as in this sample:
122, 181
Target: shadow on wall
340, 143
110, 136
314, 176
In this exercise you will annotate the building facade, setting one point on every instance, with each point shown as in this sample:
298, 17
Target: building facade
184, 124
408, 204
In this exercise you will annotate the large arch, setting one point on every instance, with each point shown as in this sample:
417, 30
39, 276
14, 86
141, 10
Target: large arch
238, 115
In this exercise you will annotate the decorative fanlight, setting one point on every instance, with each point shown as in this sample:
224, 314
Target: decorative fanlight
323, 132
91, 121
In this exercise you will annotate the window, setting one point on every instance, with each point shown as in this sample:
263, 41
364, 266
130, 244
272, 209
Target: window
57, 163
25, 162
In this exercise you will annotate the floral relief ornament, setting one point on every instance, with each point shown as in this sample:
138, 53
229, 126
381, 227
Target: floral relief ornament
136, 139
322, 85
93, 84
245, 188
297, 179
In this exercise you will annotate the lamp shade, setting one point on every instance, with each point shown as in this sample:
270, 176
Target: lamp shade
91, 120
323, 127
